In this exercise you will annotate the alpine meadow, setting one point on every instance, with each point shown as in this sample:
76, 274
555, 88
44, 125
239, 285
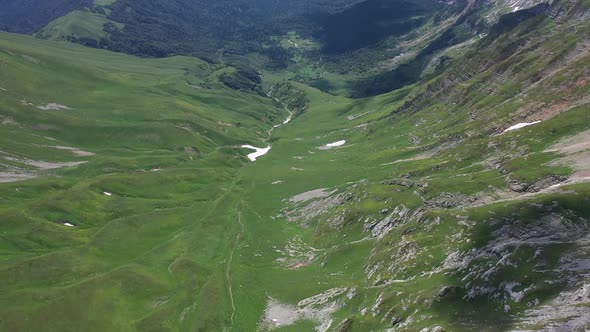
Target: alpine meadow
295, 165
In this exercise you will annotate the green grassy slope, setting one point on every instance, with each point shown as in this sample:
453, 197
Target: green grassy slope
164, 135
78, 25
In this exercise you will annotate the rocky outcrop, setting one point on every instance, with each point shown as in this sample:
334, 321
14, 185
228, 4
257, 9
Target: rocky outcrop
481, 268
450, 200
398, 216
522, 187
568, 10
307, 206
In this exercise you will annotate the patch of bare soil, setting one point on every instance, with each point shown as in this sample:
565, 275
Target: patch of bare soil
53, 107
8, 121
11, 176
421, 156
356, 116
317, 308
573, 144
576, 154
585, 174
45, 165
44, 127
75, 151
12, 173
31, 59
306, 206
306, 196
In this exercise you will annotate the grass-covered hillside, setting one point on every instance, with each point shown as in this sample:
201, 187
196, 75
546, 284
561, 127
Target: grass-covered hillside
456, 203
106, 158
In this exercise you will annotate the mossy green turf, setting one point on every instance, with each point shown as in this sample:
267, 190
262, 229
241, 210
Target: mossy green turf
79, 24
189, 238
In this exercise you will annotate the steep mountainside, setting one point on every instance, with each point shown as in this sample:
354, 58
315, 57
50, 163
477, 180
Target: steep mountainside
178, 194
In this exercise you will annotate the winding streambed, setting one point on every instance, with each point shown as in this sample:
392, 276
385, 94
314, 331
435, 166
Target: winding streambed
287, 120
259, 152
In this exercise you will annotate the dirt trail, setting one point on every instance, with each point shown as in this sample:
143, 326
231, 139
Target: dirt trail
228, 269
238, 211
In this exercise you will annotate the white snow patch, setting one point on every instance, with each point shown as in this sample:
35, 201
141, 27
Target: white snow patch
278, 182
258, 151
107, 193
333, 145
67, 224
521, 125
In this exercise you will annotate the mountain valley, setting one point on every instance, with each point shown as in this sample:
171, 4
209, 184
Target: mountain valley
378, 165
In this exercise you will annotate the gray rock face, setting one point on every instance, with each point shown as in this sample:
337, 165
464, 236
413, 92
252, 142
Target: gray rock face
434, 329
562, 11
519, 187
446, 290
500, 254
399, 182
396, 320
523, 4
568, 312
399, 215
449, 200
309, 205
